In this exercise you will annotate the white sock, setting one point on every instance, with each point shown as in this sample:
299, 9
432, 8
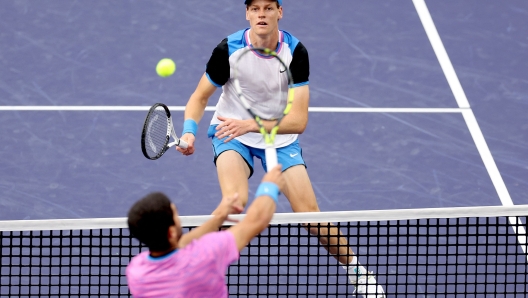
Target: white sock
354, 269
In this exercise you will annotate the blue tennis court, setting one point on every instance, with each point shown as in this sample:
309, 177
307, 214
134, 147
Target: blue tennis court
412, 106
75, 164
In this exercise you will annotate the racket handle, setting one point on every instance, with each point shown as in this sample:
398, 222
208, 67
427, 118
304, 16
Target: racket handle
271, 158
182, 144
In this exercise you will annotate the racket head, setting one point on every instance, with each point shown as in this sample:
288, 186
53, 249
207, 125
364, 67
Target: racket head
157, 131
284, 99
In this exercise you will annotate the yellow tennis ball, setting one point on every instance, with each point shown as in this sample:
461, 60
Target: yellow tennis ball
165, 67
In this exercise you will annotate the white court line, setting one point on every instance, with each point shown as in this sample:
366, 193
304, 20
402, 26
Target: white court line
384, 110
441, 53
88, 108
495, 175
469, 117
212, 108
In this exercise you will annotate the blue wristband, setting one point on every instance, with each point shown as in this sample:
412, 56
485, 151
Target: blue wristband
268, 189
190, 126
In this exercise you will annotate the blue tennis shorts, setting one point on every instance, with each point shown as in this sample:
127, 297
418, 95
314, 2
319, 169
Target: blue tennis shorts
288, 156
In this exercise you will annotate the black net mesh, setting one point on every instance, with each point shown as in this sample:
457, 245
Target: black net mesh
456, 257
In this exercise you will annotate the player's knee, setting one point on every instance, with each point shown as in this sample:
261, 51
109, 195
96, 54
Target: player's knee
243, 200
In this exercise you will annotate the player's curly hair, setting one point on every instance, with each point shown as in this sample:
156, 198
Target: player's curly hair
149, 220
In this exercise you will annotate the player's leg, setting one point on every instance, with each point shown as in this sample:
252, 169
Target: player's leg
301, 196
233, 173
234, 165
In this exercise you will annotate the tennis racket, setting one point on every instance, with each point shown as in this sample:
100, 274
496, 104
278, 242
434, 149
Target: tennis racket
284, 102
157, 132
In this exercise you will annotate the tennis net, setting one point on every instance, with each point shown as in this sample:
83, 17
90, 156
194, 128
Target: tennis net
439, 252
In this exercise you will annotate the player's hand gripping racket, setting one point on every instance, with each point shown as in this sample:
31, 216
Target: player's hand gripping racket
283, 102
157, 132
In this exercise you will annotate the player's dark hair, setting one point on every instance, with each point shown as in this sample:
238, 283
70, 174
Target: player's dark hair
149, 220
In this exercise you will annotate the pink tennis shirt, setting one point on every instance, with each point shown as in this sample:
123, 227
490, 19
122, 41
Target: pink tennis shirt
197, 270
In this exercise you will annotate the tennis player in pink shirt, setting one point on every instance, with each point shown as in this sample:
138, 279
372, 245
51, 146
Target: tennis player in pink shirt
194, 264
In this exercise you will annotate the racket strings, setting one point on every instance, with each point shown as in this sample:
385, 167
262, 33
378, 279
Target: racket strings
284, 98
156, 133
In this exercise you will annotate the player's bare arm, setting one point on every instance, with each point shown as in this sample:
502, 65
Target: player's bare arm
293, 123
227, 206
260, 212
195, 109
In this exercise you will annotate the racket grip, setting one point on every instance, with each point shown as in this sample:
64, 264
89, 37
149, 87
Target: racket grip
271, 158
183, 144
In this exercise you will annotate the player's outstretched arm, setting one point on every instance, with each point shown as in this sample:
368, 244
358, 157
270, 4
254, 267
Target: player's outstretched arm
194, 111
261, 211
227, 206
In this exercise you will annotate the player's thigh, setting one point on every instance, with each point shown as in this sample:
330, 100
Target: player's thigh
233, 172
299, 190
220, 147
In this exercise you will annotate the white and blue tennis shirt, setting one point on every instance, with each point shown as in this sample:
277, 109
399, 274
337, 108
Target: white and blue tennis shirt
262, 79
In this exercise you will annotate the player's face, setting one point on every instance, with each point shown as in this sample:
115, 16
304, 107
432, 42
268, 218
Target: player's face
264, 16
